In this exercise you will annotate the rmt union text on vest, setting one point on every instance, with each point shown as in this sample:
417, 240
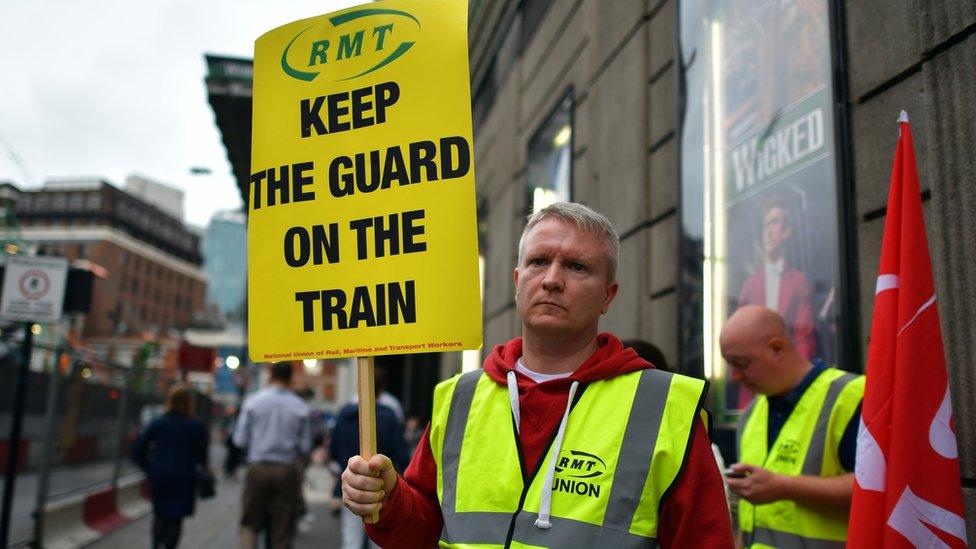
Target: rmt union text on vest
577, 487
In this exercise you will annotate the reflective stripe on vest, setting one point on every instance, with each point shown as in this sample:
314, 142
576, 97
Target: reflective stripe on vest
812, 431
785, 540
621, 512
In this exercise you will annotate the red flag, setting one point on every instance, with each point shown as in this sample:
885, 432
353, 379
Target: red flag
908, 490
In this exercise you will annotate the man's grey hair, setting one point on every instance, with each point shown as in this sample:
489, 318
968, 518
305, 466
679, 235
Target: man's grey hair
583, 217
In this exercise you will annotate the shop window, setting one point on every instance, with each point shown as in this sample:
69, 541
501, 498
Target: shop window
550, 159
759, 179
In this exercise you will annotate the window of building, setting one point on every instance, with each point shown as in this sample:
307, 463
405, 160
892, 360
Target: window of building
93, 201
59, 201
759, 182
533, 13
549, 172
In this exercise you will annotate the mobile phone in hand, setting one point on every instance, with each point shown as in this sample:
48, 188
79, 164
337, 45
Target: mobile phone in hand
729, 473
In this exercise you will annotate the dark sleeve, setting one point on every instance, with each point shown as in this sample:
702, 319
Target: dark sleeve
202, 446
334, 456
396, 448
140, 448
848, 443
411, 518
696, 514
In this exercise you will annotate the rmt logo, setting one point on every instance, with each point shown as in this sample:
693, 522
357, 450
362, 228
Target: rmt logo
579, 464
572, 467
355, 42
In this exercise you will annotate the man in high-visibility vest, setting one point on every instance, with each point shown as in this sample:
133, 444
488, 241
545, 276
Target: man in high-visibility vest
565, 438
796, 441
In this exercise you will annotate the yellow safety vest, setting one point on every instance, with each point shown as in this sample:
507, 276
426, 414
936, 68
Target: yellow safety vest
806, 445
625, 442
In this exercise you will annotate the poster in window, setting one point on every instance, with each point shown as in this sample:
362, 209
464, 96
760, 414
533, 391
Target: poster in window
778, 175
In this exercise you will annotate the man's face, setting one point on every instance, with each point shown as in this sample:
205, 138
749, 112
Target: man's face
562, 285
775, 232
754, 363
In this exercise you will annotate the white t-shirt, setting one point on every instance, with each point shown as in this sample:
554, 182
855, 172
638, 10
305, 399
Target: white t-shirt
536, 376
774, 271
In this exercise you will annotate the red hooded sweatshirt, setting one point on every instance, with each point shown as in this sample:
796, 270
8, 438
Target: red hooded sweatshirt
693, 515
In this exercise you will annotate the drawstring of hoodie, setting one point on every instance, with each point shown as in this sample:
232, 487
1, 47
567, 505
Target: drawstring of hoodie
513, 399
545, 503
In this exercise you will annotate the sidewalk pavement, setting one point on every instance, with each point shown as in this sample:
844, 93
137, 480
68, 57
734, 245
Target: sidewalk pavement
64, 480
215, 523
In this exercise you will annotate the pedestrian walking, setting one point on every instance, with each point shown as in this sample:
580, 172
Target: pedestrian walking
565, 438
274, 427
345, 444
797, 439
171, 451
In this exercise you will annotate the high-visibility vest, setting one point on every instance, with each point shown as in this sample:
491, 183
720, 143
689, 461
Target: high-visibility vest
806, 445
625, 442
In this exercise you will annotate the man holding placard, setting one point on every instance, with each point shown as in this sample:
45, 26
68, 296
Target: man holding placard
565, 438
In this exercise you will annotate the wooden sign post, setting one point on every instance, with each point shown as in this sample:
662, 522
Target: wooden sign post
367, 412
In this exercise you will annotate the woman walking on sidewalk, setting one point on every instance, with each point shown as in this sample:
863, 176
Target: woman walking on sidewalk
170, 452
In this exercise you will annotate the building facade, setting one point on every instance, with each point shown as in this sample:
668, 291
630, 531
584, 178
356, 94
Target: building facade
665, 115
148, 265
166, 198
225, 260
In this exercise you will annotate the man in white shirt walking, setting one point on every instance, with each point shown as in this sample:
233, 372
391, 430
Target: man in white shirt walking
274, 427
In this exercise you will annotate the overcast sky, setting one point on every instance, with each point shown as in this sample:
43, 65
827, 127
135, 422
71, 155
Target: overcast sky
112, 88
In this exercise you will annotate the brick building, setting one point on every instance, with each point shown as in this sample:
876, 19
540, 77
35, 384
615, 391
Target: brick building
148, 264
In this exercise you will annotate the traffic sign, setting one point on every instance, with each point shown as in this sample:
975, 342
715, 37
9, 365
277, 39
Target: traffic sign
33, 289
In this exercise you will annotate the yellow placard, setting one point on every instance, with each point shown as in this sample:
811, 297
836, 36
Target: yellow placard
362, 234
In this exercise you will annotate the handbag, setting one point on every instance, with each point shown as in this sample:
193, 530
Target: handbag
206, 484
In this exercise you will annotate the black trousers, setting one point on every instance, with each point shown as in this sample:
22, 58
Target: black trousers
166, 532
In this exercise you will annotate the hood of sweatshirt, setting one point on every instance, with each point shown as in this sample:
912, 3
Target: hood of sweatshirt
611, 359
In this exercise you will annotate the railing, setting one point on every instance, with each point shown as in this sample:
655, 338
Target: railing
81, 417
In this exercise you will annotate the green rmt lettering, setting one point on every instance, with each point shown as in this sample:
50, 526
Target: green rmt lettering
350, 45
319, 49
382, 34
347, 46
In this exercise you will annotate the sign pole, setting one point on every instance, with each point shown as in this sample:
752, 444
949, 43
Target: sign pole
367, 414
17, 421
50, 422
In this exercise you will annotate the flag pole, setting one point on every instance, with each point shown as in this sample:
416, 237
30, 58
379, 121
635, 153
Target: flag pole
367, 414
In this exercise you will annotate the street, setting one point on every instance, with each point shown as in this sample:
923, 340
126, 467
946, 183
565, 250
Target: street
214, 525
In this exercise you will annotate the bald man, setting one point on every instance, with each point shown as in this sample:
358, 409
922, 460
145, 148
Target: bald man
796, 441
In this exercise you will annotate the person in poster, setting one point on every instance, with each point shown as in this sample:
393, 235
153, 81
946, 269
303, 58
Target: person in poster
778, 285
